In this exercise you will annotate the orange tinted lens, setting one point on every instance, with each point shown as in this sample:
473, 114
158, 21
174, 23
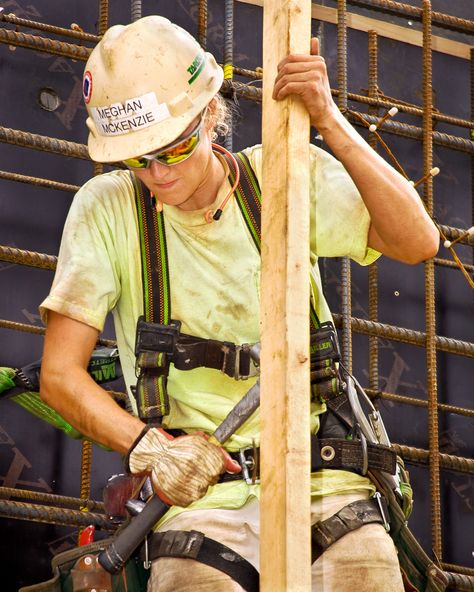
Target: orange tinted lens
179, 152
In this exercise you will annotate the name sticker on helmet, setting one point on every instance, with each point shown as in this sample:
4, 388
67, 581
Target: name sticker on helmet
196, 67
133, 115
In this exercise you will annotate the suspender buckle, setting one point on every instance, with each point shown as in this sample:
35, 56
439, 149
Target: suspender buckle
152, 337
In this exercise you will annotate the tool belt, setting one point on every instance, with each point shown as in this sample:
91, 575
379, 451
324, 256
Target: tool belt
326, 453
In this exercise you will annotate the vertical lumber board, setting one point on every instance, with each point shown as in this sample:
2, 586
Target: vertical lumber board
285, 545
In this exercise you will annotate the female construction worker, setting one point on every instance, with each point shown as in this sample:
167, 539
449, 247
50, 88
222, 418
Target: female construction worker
152, 100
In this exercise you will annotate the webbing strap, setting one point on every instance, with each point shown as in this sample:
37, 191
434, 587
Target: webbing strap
152, 369
249, 198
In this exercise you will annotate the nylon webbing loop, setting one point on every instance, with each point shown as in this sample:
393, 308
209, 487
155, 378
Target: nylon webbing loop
151, 367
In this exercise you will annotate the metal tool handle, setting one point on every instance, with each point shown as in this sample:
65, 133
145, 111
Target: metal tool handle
117, 553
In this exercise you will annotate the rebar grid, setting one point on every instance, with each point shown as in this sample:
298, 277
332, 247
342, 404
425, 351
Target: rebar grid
373, 269
346, 300
75, 34
430, 310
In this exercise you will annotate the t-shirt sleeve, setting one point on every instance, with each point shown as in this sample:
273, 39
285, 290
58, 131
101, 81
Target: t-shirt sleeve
86, 285
339, 219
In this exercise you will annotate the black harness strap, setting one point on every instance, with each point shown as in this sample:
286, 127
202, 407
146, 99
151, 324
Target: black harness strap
351, 517
195, 545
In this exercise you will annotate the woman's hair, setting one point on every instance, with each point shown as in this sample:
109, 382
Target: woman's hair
220, 114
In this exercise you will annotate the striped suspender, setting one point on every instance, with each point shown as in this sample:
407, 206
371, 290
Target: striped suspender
152, 367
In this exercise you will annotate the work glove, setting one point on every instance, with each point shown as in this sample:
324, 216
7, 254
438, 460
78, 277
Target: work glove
182, 468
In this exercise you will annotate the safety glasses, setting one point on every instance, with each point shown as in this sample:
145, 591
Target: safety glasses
174, 154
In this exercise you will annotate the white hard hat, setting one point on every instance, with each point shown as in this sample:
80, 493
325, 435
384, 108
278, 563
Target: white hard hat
144, 83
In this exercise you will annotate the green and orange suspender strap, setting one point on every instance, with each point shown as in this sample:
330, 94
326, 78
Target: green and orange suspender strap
157, 334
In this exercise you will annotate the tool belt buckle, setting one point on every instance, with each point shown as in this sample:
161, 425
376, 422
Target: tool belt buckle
249, 464
240, 351
153, 337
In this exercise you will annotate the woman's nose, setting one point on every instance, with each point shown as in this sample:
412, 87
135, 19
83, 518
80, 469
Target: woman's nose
158, 170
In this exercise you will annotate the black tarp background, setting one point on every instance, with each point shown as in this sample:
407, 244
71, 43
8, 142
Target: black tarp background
38, 457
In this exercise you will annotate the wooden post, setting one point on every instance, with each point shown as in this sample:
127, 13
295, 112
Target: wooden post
285, 547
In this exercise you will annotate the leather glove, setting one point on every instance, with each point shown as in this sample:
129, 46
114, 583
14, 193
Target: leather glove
182, 468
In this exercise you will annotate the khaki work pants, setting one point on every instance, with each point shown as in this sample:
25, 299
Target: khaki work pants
364, 560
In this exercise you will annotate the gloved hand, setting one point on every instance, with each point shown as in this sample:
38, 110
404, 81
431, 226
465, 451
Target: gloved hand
181, 468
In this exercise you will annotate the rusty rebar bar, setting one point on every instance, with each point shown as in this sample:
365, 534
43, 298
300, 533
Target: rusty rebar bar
38, 181
44, 44
413, 12
430, 292
85, 484
449, 462
50, 515
202, 24
414, 132
454, 233
29, 258
103, 16
471, 64
75, 34
373, 269
52, 498
446, 344
414, 402
23, 327
453, 264
346, 300
43, 143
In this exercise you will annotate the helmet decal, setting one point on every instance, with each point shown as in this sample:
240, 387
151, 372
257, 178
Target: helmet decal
87, 86
196, 67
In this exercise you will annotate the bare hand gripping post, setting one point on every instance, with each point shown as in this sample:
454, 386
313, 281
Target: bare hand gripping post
127, 540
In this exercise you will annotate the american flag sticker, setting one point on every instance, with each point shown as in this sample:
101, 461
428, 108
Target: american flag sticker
87, 86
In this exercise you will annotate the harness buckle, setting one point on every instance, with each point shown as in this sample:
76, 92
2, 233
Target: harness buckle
248, 359
249, 464
152, 337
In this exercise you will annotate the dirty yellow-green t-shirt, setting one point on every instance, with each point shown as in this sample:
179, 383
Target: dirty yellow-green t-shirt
215, 290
